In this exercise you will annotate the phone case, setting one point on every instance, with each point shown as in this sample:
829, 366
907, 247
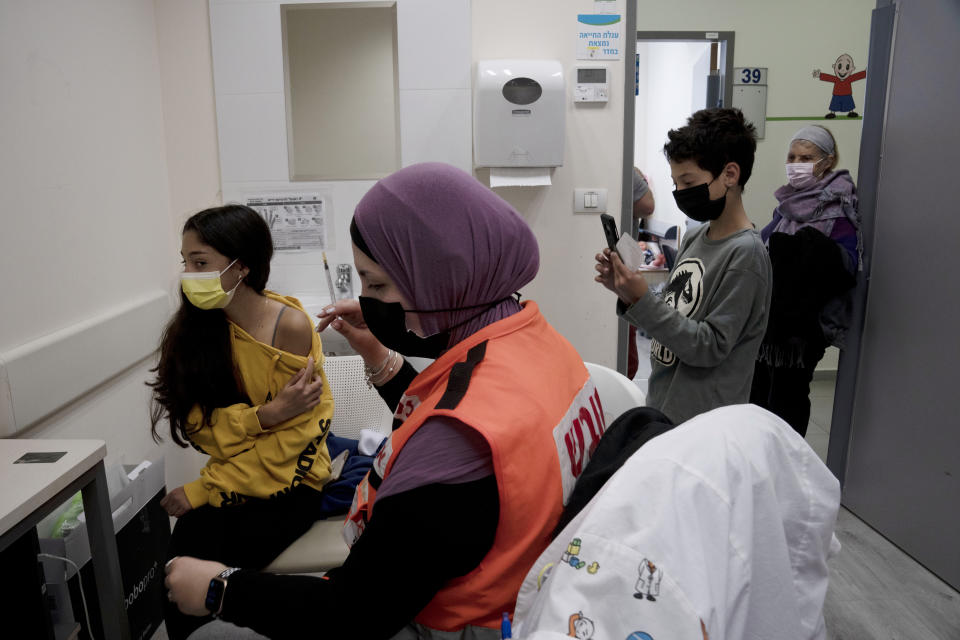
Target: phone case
609, 230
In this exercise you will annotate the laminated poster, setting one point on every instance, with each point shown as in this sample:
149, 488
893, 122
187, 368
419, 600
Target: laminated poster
298, 222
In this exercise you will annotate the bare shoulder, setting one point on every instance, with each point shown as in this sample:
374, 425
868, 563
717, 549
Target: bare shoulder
294, 332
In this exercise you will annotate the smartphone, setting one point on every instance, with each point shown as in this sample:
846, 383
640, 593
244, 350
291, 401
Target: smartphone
610, 230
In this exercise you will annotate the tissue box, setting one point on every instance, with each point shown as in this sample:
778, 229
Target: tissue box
143, 534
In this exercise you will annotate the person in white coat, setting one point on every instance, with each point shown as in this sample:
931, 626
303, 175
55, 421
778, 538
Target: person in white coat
729, 518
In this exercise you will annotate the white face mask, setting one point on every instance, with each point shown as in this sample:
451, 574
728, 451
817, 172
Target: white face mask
800, 174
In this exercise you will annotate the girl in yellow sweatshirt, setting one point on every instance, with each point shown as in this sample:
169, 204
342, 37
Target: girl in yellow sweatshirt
240, 379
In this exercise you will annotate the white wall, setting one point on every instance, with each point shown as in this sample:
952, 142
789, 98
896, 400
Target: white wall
575, 305
189, 112
433, 56
86, 226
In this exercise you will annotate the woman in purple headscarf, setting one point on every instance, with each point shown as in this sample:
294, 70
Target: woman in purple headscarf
814, 244
488, 439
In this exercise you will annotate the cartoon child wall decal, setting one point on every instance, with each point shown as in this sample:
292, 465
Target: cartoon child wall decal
843, 77
580, 627
649, 583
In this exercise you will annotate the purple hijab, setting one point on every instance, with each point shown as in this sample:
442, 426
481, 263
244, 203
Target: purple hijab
448, 241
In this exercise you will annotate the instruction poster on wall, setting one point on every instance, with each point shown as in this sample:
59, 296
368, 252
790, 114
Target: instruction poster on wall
298, 222
598, 36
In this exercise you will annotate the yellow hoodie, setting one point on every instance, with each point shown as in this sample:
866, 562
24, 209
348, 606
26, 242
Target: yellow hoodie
247, 461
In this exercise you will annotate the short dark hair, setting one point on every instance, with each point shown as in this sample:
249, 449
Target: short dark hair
712, 138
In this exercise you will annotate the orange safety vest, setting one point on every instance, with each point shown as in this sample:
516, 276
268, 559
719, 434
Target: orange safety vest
522, 386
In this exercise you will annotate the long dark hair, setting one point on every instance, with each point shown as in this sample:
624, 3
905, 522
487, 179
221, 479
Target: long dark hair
196, 362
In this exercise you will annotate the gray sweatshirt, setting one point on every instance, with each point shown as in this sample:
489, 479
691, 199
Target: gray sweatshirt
707, 325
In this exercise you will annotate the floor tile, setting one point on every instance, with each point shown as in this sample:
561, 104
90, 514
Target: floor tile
818, 440
813, 426
878, 591
822, 388
821, 411
875, 620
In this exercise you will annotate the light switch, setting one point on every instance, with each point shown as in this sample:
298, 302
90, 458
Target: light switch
589, 200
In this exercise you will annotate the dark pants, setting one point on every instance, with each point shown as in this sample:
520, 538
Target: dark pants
785, 391
248, 535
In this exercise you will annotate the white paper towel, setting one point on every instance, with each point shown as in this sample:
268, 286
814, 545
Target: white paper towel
519, 177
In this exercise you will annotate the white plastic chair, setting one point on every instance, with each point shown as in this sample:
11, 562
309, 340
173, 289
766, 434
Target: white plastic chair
617, 392
356, 407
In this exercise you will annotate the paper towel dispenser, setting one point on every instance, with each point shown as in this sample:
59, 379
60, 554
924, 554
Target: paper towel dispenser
519, 113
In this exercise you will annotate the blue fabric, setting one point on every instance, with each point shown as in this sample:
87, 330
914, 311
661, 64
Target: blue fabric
336, 444
842, 103
338, 495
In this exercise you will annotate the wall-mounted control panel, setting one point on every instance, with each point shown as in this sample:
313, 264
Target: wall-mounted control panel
593, 84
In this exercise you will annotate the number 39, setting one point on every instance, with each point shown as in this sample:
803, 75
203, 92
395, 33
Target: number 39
750, 75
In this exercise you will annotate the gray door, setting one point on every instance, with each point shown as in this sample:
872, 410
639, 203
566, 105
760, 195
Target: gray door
903, 462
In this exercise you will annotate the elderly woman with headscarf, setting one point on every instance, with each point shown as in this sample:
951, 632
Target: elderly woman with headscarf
814, 244
488, 439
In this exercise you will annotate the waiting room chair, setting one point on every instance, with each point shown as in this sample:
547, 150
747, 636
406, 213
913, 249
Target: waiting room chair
356, 407
669, 255
617, 392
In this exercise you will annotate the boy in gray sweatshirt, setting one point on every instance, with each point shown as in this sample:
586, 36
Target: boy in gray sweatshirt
709, 322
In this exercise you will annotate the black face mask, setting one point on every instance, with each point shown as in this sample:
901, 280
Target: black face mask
695, 202
387, 324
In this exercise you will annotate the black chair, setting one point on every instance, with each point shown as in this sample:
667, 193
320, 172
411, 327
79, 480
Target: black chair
669, 254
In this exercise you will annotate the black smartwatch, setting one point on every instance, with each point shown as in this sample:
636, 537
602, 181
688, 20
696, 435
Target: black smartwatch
216, 590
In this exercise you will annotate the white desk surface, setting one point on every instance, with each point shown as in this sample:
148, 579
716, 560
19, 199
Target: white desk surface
26, 487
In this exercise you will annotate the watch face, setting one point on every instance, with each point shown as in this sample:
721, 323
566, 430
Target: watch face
215, 594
